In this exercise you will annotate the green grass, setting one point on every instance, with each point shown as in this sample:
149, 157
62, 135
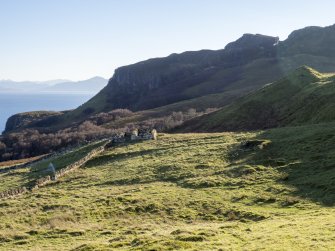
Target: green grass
266, 190
10, 163
303, 97
27, 176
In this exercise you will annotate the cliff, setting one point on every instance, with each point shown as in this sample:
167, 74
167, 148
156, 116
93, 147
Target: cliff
242, 66
161, 81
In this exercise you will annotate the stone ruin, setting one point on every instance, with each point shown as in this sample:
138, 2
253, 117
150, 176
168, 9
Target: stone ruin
135, 135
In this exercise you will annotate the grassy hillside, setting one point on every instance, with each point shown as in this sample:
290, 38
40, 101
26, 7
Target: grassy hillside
250, 80
27, 176
270, 190
10, 163
303, 97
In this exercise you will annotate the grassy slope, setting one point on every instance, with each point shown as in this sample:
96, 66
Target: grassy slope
231, 93
223, 87
191, 191
26, 176
251, 78
304, 96
10, 163
227, 85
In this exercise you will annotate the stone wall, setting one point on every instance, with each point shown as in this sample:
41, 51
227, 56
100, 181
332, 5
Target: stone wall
60, 173
48, 179
13, 192
47, 156
140, 134
24, 165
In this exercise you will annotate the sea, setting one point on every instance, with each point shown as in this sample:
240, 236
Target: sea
15, 103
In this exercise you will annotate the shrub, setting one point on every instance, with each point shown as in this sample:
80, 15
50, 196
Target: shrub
30, 142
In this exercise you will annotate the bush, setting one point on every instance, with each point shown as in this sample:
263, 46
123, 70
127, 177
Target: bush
30, 142
114, 115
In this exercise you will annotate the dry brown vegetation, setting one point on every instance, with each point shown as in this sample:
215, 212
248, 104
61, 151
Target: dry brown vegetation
31, 142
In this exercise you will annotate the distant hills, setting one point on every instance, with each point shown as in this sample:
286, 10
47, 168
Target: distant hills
92, 85
305, 96
27, 86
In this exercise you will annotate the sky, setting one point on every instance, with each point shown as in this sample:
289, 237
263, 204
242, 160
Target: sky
78, 39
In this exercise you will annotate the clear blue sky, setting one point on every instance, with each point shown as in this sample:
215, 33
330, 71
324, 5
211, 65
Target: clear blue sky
78, 39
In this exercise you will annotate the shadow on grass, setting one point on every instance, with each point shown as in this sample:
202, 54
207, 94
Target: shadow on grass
120, 156
304, 155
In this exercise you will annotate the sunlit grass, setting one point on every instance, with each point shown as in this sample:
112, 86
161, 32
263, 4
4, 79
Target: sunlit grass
187, 192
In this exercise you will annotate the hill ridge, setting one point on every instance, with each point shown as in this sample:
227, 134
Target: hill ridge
244, 66
149, 84
293, 100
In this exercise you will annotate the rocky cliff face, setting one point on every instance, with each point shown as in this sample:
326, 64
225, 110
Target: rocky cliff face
161, 81
160, 72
